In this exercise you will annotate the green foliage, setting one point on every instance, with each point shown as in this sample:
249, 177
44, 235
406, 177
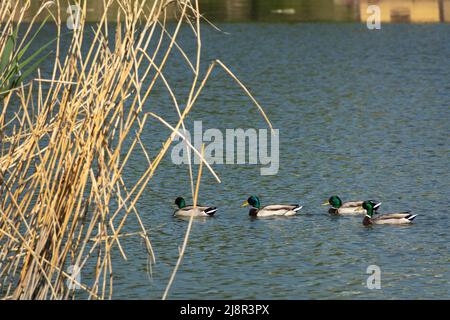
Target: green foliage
12, 69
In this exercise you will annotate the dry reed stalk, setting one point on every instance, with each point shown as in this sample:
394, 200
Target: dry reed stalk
65, 142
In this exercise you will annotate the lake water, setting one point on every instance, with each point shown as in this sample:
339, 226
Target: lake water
362, 114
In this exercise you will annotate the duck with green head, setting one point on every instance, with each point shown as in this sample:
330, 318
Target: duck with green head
389, 218
271, 210
348, 208
189, 210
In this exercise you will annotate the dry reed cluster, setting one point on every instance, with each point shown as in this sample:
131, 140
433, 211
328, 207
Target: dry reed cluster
66, 140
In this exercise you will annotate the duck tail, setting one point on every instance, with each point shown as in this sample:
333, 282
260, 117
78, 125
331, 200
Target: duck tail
411, 217
211, 211
297, 208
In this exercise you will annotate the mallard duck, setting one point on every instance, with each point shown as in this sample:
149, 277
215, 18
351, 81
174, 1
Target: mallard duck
187, 211
388, 218
348, 208
271, 210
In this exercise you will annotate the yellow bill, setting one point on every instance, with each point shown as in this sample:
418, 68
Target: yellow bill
244, 204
